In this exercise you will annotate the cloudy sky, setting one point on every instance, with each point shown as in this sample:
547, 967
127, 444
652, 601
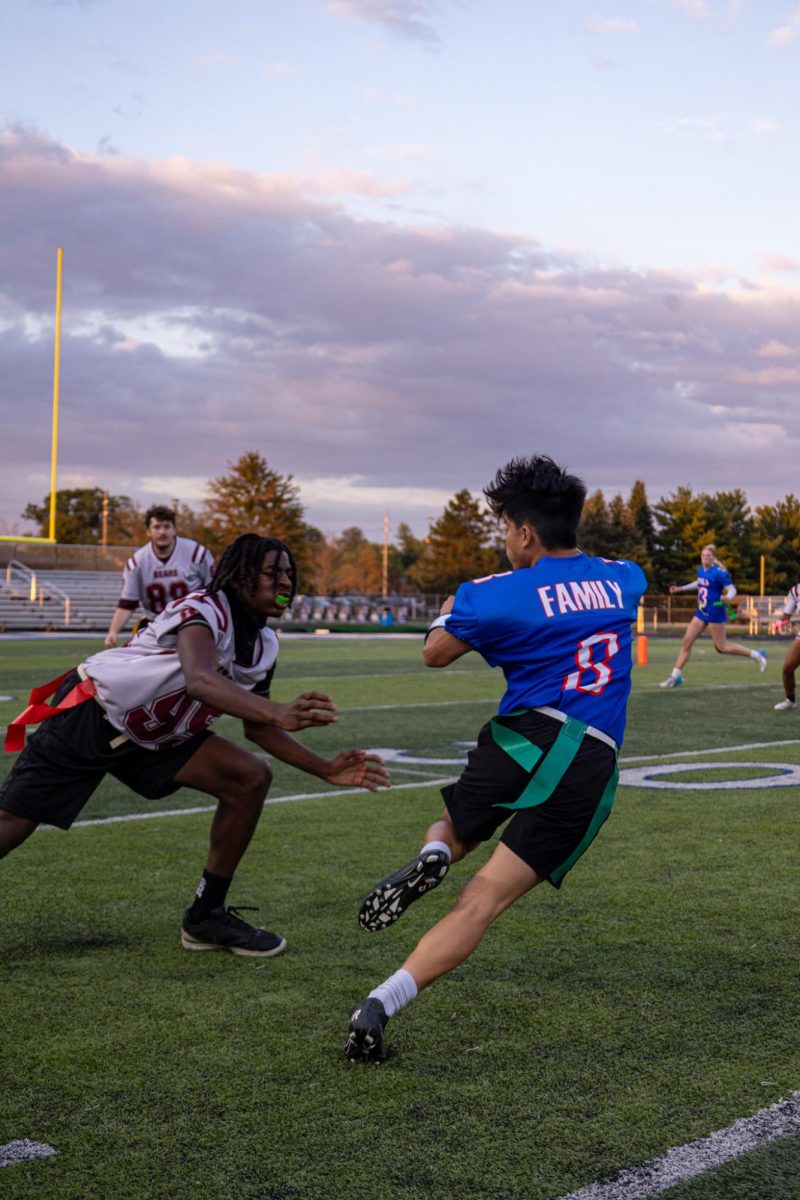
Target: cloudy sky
392, 243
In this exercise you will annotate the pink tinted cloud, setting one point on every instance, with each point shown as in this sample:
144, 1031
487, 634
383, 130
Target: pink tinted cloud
255, 312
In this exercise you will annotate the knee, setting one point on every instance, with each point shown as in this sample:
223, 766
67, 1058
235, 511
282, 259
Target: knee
252, 780
721, 649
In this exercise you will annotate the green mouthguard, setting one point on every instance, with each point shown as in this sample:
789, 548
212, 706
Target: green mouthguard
282, 599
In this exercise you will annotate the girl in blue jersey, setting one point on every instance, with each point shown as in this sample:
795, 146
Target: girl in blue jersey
713, 586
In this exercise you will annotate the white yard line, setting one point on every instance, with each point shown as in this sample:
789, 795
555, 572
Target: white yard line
770, 1124
23, 1150
181, 812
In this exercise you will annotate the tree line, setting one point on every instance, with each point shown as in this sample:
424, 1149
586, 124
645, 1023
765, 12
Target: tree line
465, 542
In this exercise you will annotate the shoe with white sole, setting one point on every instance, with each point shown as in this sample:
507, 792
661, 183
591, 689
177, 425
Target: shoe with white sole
391, 897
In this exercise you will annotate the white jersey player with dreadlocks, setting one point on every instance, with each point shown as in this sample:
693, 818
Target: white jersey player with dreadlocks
141, 713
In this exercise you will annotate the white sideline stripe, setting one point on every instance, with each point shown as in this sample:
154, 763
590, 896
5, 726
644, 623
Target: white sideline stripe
23, 1150
779, 1120
640, 758
182, 812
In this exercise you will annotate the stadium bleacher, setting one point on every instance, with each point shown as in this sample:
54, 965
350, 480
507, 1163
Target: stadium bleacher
64, 599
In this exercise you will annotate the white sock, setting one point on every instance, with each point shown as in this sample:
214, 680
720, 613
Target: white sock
430, 846
396, 991
676, 673
756, 654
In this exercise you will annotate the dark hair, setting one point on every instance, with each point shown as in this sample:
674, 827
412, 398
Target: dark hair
240, 563
159, 512
538, 492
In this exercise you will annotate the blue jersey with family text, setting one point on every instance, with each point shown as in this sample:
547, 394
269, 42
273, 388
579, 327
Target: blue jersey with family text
561, 632
711, 583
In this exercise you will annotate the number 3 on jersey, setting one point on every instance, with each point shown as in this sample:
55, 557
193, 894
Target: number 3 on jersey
592, 659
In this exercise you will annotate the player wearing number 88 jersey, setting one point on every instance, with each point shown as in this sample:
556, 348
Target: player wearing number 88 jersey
163, 571
559, 626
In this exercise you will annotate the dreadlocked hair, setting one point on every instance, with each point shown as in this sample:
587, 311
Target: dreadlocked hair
241, 563
538, 491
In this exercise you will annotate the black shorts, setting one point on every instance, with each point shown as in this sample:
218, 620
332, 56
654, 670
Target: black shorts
551, 836
68, 755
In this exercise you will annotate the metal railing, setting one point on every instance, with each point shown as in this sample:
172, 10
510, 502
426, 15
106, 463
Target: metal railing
38, 590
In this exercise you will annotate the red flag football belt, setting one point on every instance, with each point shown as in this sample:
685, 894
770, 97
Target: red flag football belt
37, 711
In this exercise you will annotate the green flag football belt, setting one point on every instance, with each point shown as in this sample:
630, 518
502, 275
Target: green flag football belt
546, 769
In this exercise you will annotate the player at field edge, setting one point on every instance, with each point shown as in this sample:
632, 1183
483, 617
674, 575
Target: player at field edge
714, 587
792, 660
559, 626
164, 569
141, 713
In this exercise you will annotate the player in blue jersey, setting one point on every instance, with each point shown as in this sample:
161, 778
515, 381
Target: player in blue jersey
714, 587
559, 626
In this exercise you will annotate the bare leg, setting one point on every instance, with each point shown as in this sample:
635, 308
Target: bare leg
790, 664
240, 783
14, 831
693, 631
489, 893
443, 831
723, 646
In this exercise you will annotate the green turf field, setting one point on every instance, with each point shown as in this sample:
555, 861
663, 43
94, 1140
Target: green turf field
651, 1002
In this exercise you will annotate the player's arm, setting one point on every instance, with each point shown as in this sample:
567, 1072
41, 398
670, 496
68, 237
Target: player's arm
198, 656
441, 648
118, 621
351, 768
684, 587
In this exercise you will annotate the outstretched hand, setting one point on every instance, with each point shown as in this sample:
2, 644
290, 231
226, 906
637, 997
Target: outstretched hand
356, 768
309, 708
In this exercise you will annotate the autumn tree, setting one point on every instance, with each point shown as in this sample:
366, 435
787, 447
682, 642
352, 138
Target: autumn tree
462, 545
79, 518
252, 498
594, 529
357, 566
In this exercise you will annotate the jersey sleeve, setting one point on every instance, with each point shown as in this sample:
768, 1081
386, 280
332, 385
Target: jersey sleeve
463, 621
790, 603
131, 595
264, 686
724, 577
192, 610
209, 567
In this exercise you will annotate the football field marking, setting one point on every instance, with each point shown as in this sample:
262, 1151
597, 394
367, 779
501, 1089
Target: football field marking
434, 781
23, 1150
206, 808
770, 1124
785, 775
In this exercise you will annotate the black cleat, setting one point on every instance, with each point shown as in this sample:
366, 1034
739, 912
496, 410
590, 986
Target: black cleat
365, 1035
391, 897
224, 929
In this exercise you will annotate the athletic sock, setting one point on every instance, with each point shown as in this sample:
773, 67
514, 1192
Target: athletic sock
211, 892
756, 654
429, 847
395, 992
